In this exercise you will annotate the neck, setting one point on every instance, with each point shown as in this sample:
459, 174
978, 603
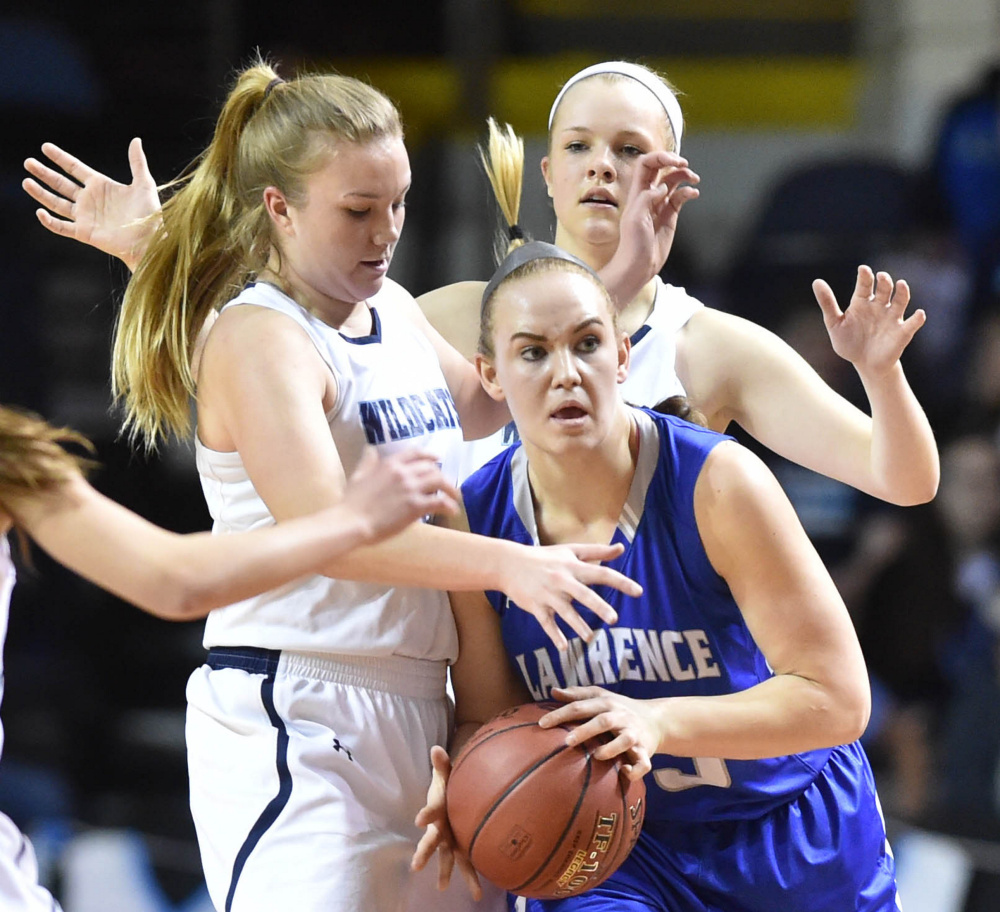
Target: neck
332, 312
584, 489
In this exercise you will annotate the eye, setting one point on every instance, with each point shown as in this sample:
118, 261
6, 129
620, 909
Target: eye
532, 353
631, 151
401, 204
576, 145
589, 344
358, 213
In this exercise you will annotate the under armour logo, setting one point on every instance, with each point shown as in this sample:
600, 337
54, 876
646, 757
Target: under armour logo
337, 746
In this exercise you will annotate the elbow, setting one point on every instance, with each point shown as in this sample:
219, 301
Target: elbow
916, 491
849, 714
180, 596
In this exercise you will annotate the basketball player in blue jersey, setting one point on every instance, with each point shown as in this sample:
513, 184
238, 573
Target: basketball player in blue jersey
735, 684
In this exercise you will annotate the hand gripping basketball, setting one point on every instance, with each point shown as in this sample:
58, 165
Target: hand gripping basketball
536, 816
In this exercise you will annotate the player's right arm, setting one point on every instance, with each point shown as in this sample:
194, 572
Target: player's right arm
182, 577
485, 683
264, 389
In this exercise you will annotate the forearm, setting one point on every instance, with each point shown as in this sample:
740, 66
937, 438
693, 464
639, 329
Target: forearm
786, 714
904, 458
431, 557
623, 280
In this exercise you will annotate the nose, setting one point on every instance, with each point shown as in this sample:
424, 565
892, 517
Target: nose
388, 227
565, 374
601, 165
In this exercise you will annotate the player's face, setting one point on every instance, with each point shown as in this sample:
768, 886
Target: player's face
338, 244
600, 130
558, 359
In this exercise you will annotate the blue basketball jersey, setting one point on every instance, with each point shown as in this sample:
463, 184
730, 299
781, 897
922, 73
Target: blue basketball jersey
684, 636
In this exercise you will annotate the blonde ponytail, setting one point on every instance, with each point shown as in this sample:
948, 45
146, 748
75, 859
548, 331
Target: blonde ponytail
215, 233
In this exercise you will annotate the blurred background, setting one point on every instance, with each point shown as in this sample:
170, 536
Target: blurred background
827, 133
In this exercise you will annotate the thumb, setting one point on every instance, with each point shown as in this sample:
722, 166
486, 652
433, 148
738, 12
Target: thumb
137, 161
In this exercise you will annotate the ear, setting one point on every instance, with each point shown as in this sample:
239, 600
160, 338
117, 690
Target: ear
624, 356
488, 378
545, 175
277, 208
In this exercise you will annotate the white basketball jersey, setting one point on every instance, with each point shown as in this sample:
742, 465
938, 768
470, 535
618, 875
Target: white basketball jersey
392, 394
652, 375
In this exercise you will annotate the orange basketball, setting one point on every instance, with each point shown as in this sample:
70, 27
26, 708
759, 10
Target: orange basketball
535, 816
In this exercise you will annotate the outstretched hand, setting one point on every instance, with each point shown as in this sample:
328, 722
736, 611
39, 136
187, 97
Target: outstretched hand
91, 207
438, 837
548, 580
393, 491
662, 183
872, 332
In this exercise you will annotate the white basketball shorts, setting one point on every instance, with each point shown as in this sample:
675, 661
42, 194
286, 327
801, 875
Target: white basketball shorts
306, 774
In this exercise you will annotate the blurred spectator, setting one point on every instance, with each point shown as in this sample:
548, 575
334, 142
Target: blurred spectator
965, 173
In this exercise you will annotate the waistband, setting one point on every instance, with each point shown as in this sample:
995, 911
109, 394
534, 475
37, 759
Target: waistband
402, 675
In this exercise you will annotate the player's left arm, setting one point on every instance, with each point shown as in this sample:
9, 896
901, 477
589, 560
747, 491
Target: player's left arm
480, 414
485, 684
819, 694
737, 371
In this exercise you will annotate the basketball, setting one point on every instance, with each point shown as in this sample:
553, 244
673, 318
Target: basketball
535, 816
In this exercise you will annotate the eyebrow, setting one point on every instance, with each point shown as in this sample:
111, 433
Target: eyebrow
524, 334
637, 133
362, 194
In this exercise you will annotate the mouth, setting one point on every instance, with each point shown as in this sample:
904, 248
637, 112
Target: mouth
600, 198
380, 266
569, 413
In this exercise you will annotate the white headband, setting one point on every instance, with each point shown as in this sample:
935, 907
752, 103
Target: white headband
640, 74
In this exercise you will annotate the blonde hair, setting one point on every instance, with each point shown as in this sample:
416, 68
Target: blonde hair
32, 457
503, 161
215, 233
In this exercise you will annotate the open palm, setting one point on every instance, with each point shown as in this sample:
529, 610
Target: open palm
88, 206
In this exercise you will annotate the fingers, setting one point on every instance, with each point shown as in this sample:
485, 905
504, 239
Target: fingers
605, 576
901, 295
470, 876
827, 301
56, 226
50, 179
573, 620
593, 603
558, 638
865, 282
69, 163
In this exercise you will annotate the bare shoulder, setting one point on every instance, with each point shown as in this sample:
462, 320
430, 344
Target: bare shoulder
731, 472
250, 336
453, 310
